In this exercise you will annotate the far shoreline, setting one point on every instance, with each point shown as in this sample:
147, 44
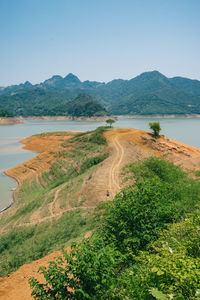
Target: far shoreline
7, 173
115, 117
12, 121
22, 120
12, 193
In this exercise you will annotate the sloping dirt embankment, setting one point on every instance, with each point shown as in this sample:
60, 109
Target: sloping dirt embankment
48, 145
124, 146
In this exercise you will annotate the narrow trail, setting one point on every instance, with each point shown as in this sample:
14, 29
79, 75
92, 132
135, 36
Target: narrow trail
124, 146
116, 156
52, 204
49, 218
114, 185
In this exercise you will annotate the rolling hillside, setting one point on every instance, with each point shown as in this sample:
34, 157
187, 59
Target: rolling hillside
146, 94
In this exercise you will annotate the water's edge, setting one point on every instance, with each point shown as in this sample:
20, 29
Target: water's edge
11, 154
12, 194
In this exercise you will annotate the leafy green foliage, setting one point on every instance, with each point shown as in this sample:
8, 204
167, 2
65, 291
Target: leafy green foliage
87, 272
158, 295
97, 136
147, 94
197, 173
6, 114
162, 194
155, 126
170, 265
92, 161
110, 122
94, 137
146, 245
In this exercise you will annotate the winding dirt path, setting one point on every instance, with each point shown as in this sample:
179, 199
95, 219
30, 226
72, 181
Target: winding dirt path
52, 204
114, 184
124, 146
117, 155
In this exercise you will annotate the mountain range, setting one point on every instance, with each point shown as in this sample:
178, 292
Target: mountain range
149, 93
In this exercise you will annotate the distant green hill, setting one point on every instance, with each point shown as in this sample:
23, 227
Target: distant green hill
6, 114
85, 105
146, 94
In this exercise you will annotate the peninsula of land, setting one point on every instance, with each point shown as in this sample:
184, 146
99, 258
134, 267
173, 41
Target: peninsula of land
61, 187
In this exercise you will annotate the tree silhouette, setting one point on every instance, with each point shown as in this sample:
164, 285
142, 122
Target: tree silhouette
155, 126
110, 122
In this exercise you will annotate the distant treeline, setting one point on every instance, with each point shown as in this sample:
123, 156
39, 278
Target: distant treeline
6, 114
149, 93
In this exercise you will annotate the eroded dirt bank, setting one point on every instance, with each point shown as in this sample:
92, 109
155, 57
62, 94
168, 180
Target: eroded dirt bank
124, 146
129, 145
48, 145
11, 121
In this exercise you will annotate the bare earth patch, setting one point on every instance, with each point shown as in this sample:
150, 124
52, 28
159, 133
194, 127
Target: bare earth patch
124, 146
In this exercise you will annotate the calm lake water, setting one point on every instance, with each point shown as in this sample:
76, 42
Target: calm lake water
11, 152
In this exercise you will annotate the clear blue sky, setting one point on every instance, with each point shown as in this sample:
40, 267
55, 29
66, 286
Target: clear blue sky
98, 39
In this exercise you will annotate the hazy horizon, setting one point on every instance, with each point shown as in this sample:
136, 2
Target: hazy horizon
98, 40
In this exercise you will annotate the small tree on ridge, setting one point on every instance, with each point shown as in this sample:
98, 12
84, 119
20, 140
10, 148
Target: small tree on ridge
155, 126
110, 122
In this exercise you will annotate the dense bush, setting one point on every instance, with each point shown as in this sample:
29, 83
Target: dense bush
97, 136
6, 114
92, 161
169, 266
155, 126
87, 272
135, 253
163, 193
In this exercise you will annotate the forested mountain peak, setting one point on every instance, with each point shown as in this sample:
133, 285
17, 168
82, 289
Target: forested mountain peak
149, 76
52, 81
85, 105
148, 93
72, 78
27, 83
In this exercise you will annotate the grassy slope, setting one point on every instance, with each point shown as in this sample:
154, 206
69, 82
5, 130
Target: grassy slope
23, 239
146, 246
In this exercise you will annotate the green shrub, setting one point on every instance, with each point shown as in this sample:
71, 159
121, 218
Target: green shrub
87, 272
155, 126
162, 194
197, 173
92, 161
144, 246
170, 265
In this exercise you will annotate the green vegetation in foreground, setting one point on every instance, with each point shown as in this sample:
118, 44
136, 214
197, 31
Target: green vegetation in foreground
149, 93
20, 245
146, 245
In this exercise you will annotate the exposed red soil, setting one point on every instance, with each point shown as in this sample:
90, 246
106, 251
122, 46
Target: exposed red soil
49, 145
124, 146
